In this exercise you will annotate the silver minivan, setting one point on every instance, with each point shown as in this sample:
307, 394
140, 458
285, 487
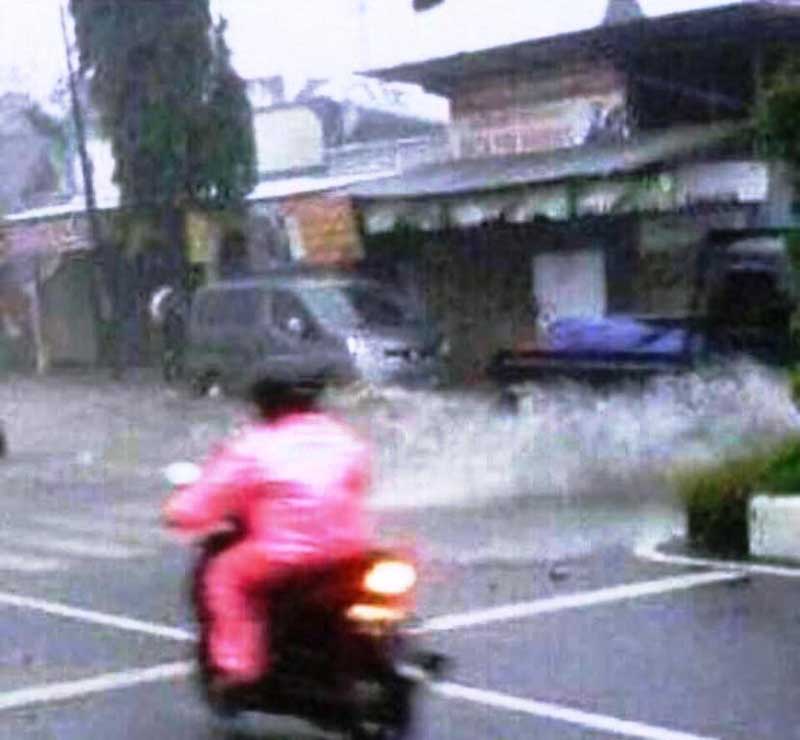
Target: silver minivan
302, 324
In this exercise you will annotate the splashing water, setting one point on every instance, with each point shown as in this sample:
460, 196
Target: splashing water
566, 440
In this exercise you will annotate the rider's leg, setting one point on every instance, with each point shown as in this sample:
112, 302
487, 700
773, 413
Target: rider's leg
235, 592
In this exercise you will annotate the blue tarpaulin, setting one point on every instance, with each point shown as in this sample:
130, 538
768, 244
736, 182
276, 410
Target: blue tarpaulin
614, 334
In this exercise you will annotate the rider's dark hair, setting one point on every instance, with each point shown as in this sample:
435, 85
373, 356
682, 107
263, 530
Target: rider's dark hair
276, 397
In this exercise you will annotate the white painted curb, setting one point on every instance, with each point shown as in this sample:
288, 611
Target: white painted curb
775, 527
649, 551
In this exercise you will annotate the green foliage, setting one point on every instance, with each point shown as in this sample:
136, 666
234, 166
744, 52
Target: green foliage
176, 113
717, 496
226, 170
778, 115
782, 472
716, 500
794, 384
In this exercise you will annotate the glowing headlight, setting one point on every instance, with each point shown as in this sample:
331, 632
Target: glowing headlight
390, 578
372, 613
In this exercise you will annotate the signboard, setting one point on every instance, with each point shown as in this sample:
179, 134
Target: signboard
721, 182
199, 236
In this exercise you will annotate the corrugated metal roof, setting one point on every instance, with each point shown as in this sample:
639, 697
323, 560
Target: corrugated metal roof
495, 173
746, 21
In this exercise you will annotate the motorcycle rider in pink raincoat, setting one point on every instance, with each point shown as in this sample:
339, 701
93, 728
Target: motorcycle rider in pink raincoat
295, 481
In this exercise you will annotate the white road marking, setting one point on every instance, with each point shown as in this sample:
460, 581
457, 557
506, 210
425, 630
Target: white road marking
89, 525
107, 682
526, 609
56, 692
28, 563
559, 713
93, 617
71, 546
649, 552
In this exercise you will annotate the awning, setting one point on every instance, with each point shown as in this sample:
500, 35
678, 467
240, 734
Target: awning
659, 172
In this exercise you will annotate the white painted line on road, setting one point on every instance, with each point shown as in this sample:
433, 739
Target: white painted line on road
649, 552
71, 546
573, 601
56, 692
587, 720
28, 563
107, 682
100, 618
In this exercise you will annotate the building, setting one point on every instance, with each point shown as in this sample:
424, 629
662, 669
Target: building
310, 146
587, 169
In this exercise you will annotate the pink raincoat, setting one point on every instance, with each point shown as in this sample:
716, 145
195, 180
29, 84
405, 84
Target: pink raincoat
297, 486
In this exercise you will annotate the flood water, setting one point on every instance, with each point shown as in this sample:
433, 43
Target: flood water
575, 469
566, 440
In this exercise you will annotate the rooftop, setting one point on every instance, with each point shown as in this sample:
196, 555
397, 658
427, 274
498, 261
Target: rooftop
750, 20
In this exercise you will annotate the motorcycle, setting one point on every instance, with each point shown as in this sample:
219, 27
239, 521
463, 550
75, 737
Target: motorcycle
341, 651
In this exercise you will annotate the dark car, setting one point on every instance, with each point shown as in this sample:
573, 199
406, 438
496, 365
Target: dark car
342, 325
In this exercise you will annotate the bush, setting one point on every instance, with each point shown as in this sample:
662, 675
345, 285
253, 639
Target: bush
794, 376
717, 496
782, 473
716, 499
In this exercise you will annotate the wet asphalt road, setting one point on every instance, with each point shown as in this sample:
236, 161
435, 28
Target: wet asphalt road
571, 658
714, 660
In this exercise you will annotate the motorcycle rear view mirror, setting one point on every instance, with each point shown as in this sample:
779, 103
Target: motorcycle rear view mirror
182, 473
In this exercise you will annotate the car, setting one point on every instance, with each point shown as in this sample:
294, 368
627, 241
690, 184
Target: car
305, 323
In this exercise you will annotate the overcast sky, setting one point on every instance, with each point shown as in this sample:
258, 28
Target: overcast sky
319, 38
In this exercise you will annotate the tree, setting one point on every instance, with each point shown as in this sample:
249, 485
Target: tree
778, 115
777, 127
175, 111
224, 153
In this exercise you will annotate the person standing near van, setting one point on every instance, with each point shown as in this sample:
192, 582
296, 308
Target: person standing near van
168, 310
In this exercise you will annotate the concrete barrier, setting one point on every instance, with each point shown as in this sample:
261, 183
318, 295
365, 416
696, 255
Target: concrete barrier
775, 526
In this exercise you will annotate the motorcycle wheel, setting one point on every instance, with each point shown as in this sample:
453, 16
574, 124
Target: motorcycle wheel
365, 732
387, 717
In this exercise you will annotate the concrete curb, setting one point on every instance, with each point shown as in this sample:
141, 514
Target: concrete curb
775, 526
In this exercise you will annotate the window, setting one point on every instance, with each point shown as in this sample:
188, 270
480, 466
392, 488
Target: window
355, 305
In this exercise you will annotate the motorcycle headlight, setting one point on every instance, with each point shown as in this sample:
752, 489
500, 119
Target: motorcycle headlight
390, 578
371, 613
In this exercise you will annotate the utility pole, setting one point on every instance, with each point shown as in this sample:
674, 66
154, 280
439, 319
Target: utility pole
100, 253
83, 154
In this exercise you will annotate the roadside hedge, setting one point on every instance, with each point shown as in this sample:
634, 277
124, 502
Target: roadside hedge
717, 496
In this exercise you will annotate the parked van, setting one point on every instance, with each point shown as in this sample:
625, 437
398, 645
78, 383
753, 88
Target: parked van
306, 323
